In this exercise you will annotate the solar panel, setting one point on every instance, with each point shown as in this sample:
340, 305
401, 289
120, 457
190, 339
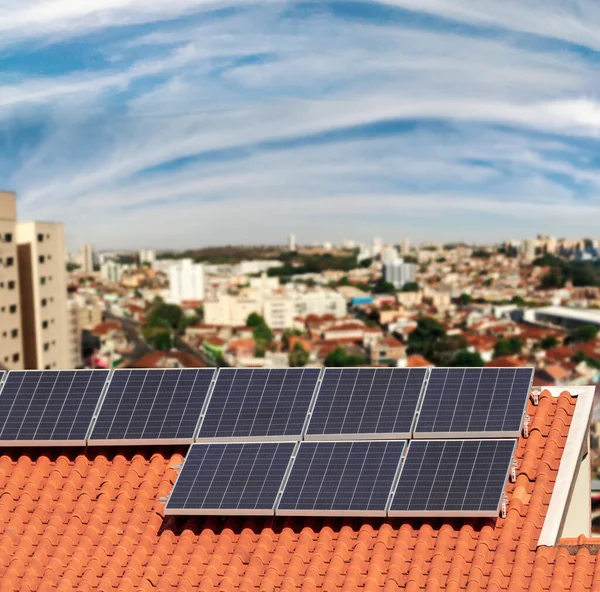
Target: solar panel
366, 403
152, 406
341, 478
453, 478
230, 479
50, 406
472, 402
259, 404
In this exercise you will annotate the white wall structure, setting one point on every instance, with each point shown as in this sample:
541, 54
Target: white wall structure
291, 242
186, 281
399, 273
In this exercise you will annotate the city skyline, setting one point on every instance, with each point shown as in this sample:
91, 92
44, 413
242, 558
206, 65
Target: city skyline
196, 123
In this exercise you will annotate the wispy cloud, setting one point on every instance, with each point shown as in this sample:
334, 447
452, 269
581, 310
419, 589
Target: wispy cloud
291, 109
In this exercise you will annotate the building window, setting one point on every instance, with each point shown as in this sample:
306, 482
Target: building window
47, 367
14, 333
11, 285
8, 237
10, 261
44, 324
12, 308
15, 357
42, 280
49, 257
46, 346
44, 302
41, 258
40, 238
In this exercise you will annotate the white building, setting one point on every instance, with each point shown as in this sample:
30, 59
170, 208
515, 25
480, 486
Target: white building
111, 271
376, 247
390, 254
74, 333
147, 256
291, 242
399, 273
528, 249
186, 281
87, 258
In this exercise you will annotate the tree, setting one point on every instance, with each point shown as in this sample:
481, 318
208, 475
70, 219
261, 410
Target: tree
262, 333
553, 279
446, 348
158, 335
366, 262
578, 356
508, 347
383, 287
340, 358
423, 338
290, 333
254, 319
410, 287
465, 299
549, 342
137, 293
584, 333
298, 356
467, 359
168, 312
518, 300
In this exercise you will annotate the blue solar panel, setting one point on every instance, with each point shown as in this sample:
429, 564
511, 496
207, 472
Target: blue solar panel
152, 406
49, 406
230, 479
341, 478
366, 402
259, 404
453, 478
471, 402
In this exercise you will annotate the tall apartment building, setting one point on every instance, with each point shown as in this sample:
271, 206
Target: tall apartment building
87, 258
11, 345
43, 292
147, 256
186, 281
399, 273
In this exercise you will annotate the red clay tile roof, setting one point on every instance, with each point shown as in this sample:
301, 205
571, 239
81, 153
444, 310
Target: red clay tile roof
155, 360
107, 327
94, 522
560, 352
504, 362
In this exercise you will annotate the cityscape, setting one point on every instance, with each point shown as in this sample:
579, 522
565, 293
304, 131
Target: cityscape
299, 296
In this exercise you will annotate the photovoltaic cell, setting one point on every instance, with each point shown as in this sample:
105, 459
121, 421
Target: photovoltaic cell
49, 406
259, 404
370, 402
152, 405
453, 478
467, 402
230, 479
341, 478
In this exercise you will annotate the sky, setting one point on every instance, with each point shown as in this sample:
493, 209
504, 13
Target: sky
188, 123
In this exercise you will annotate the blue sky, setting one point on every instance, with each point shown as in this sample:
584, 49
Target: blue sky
196, 122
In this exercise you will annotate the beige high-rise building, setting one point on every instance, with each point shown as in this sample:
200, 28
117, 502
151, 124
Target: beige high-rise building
43, 290
87, 258
11, 345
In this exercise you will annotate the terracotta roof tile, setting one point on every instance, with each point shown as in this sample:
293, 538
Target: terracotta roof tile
94, 522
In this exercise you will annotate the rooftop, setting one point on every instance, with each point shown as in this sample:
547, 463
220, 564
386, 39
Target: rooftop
90, 521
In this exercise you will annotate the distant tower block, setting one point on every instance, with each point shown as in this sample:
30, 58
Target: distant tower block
405, 245
292, 242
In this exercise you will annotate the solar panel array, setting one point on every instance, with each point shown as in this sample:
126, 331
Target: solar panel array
293, 441
366, 402
453, 478
152, 406
341, 478
259, 404
474, 402
230, 478
49, 407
